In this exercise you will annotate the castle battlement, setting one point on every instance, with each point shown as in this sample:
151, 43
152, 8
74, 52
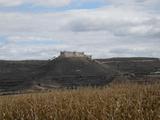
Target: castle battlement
68, 54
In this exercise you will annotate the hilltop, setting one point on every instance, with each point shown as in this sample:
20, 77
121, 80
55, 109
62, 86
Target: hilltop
75, 71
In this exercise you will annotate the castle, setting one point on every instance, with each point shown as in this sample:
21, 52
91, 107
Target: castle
68, 54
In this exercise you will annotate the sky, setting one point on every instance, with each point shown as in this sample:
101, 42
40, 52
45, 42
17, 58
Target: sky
40, 29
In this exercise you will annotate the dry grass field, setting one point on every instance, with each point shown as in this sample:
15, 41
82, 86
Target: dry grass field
115, 102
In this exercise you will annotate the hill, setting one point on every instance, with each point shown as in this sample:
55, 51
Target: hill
60, 72
137, 65
73, 72
17, 75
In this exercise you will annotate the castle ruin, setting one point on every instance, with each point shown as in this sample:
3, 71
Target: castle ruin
68, 54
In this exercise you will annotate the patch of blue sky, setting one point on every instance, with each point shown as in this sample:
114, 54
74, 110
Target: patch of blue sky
155, 9
36, 9
3, 40
87, 5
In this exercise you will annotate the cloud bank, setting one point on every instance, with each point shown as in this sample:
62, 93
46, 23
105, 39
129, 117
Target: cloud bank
119, 29
51, 3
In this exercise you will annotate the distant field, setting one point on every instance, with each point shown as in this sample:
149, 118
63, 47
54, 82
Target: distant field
116, 102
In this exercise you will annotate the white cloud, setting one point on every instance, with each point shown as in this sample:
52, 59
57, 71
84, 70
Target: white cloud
129, 2
51, 3
114, 20
103, 32
54, 3
8, 3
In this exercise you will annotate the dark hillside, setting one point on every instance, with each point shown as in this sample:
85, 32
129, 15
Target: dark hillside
75, 72
138, 66
15, 75
60, 72
72, 72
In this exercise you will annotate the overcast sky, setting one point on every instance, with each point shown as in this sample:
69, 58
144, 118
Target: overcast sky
40, 29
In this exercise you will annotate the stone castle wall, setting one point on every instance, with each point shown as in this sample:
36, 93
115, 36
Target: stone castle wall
73, 54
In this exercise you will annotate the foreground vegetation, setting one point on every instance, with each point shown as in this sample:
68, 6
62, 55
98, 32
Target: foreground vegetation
116, 102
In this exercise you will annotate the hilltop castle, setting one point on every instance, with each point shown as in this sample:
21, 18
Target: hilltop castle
68, 54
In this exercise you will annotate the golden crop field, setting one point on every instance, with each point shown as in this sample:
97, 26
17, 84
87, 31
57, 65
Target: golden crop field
115, 102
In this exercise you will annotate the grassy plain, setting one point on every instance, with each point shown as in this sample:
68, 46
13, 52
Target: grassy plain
114, 102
